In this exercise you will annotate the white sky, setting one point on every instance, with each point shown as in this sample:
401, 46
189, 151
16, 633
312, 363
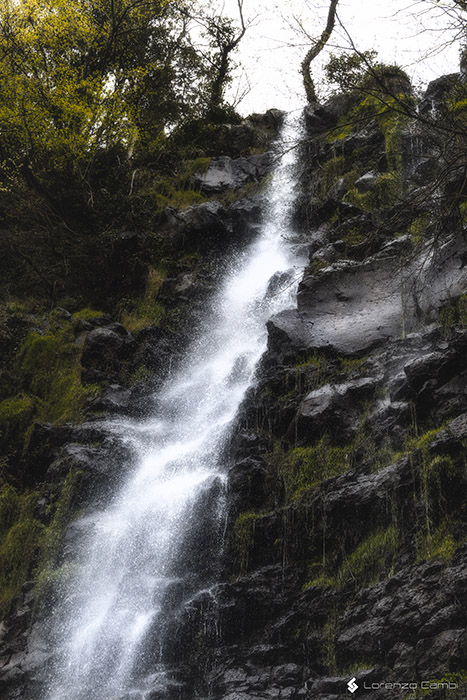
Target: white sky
271, 51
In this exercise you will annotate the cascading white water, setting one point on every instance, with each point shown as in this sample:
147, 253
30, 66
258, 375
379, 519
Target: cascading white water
115, 600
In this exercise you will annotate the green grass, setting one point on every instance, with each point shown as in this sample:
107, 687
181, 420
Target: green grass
305, 467
372, 558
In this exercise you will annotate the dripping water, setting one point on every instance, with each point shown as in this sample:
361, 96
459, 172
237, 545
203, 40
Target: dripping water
113, 606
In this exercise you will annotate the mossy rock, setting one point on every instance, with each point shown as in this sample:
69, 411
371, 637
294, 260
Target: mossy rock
50, 369
16, 415
20, 539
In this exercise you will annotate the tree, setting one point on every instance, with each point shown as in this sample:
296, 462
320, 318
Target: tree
316, 48
91, 91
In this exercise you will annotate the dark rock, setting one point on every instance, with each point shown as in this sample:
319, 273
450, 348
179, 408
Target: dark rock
106, 347
426, 171
114, 399
255, 132
225, 173
349, 308
63, 313
98, 468
390, 419
333, 409
189, 226
46, 441
458, 427
447, 650
436, 94
246, 484
319, 118
366, 183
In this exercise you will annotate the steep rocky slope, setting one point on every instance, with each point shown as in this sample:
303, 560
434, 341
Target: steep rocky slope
346, 539
344, 552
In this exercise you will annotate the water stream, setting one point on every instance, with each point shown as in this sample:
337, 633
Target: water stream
114, 602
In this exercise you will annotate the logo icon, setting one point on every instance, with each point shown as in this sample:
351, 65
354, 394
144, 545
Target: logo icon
351, 685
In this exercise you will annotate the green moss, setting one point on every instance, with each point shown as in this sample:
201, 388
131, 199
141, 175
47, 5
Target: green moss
332, 170
386, 192
244, 535
329, 642
453, 315
198, 165
305, 467
392, 122
141, 313
84, 314
53, 534
458, 110
373, 557
439, 545
139, 375
175, 191
389, 113
16, 414
463, 212
321, 581
47, 373
313, 359
318, 265
20, 538
418, 228
354, 236
452, 686
9, 508
50, 368
177, 198
423, 441
351, 364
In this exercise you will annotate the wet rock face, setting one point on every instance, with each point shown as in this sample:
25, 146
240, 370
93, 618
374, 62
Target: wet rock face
350, 308
344, 552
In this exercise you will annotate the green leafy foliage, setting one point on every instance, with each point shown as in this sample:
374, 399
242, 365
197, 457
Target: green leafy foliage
96, 95
384, 195
347, 71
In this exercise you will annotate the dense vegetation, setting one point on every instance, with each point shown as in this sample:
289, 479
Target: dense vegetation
101, 105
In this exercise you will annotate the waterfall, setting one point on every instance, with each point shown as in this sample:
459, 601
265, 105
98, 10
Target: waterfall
114, 602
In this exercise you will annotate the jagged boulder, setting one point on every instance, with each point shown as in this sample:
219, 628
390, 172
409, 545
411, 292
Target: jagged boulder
225, 173
106, 347
333, 409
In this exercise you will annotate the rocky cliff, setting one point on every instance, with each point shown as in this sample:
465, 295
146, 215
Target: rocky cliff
345, 554
344, 550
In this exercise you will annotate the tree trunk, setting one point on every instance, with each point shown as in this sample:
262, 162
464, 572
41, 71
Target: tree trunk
317, 47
